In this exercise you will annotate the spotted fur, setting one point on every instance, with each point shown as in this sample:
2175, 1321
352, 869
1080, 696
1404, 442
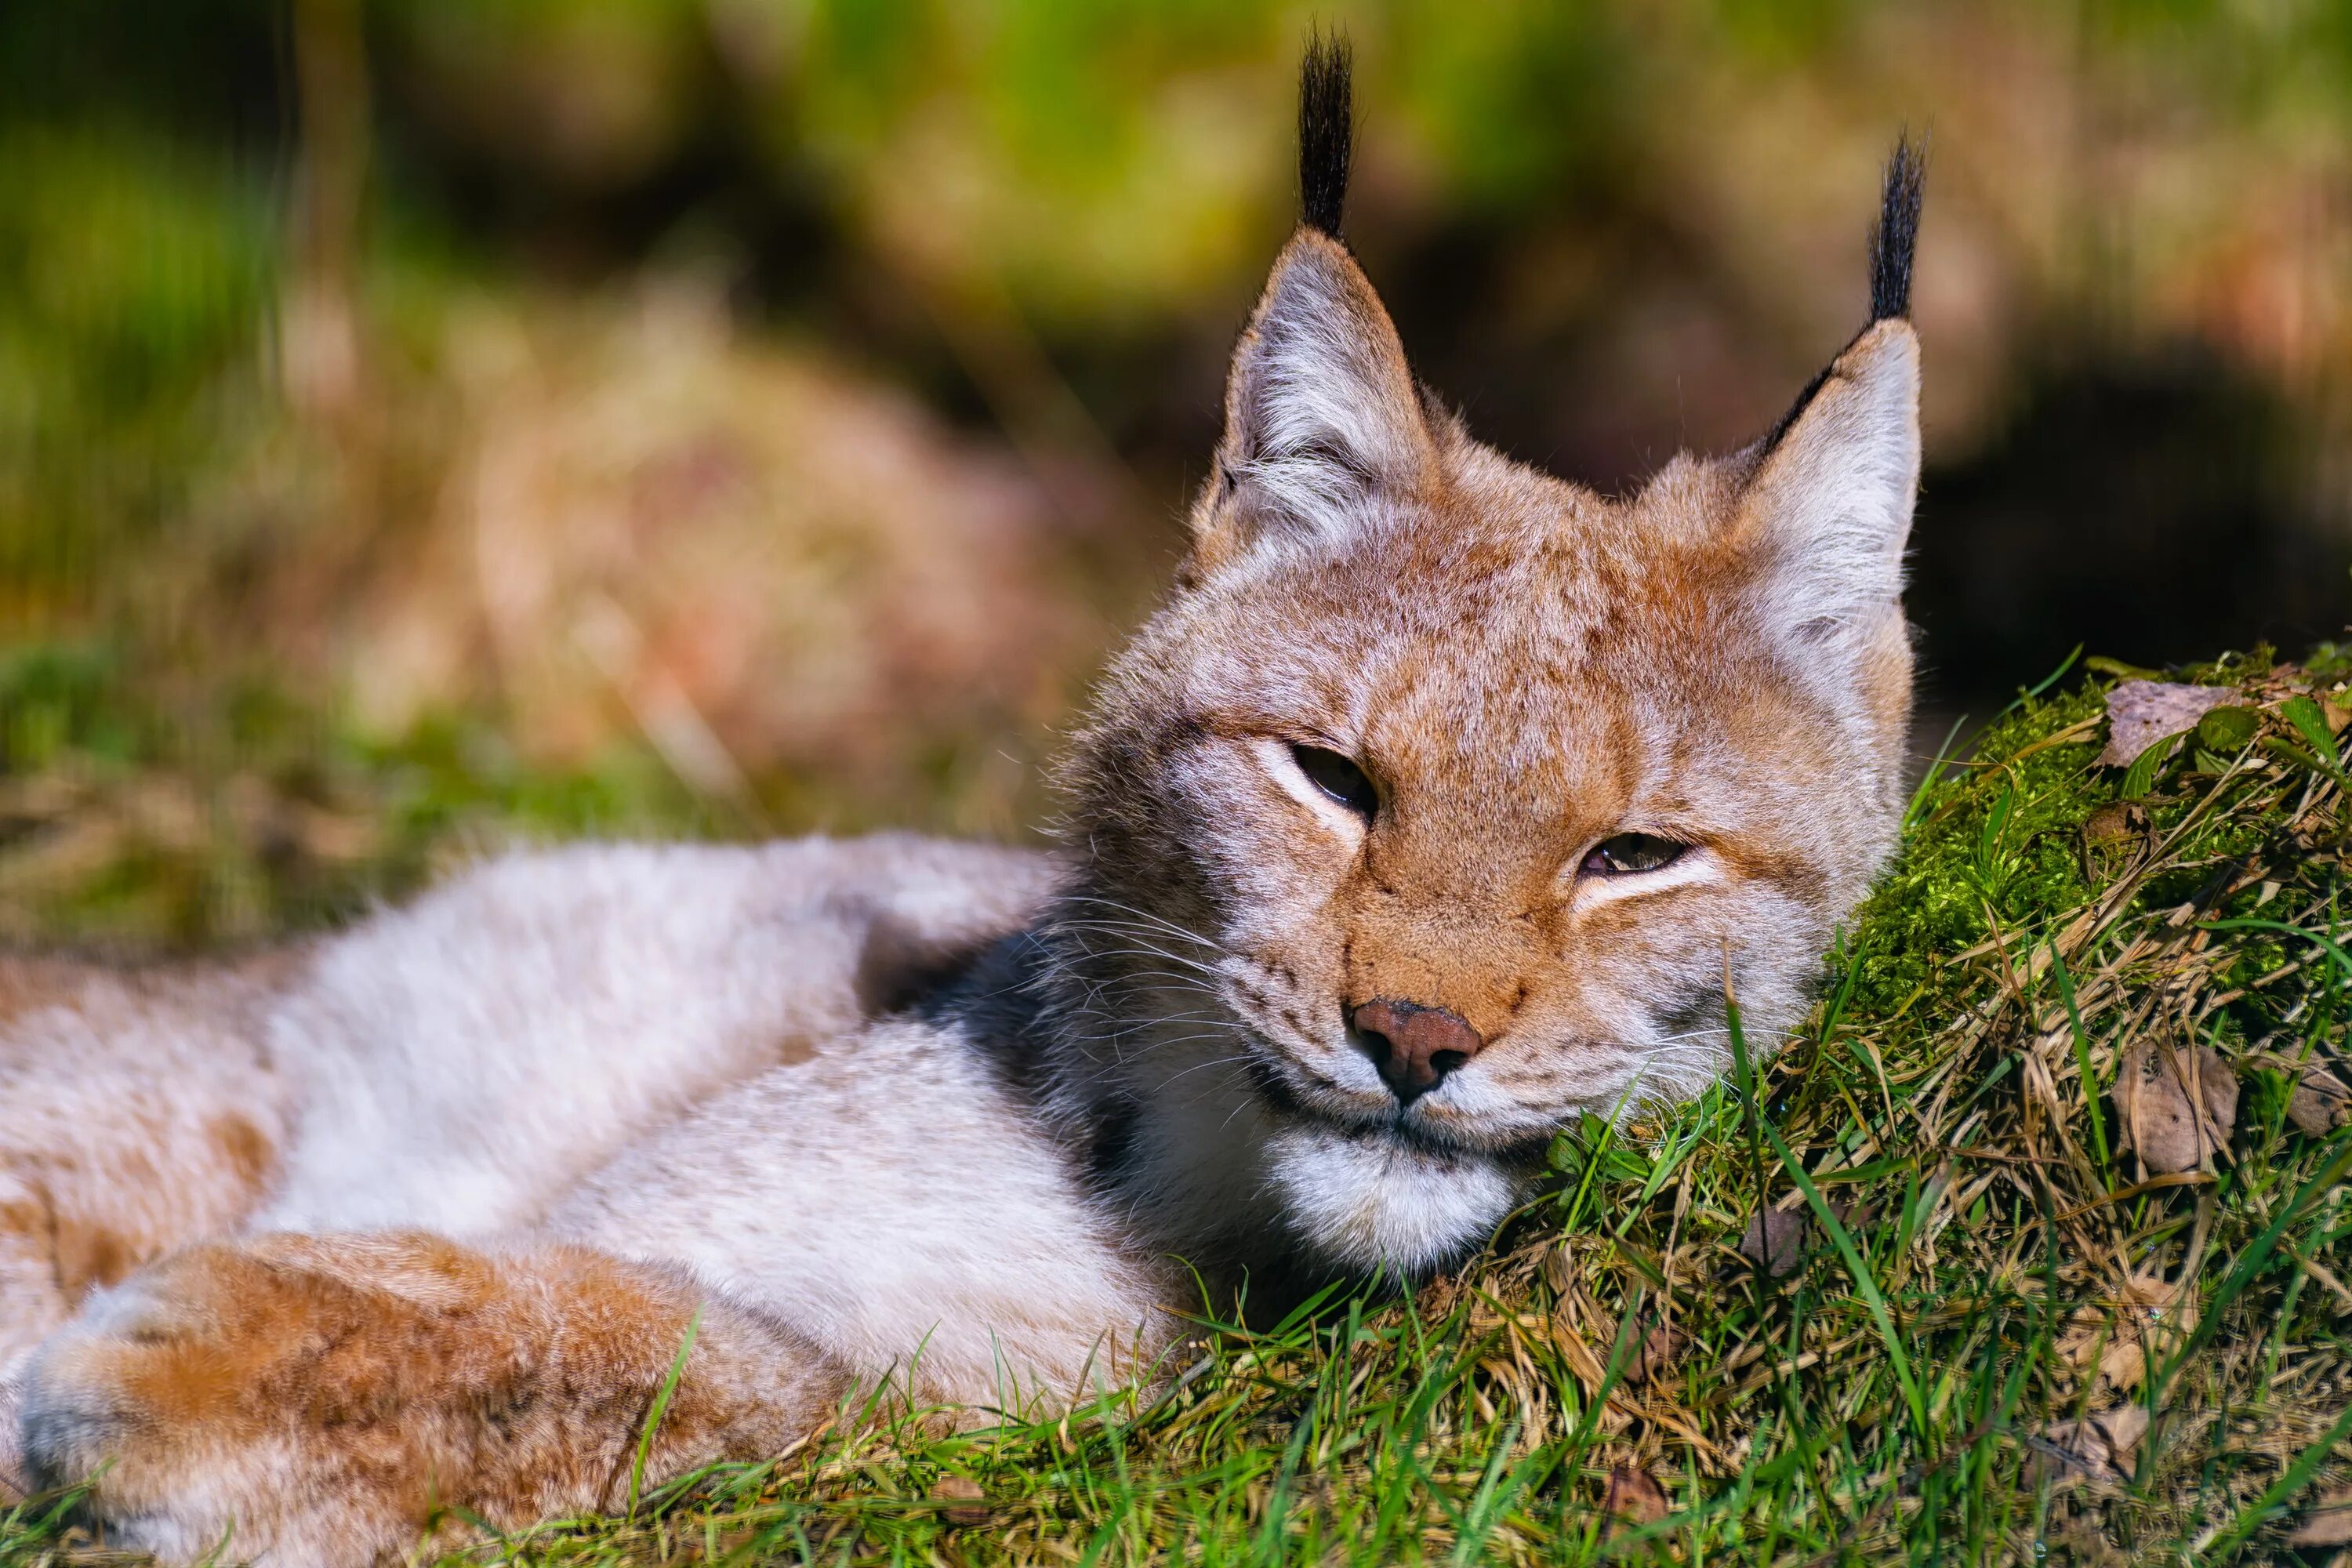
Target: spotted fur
407, 1227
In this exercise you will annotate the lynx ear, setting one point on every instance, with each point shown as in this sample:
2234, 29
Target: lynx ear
1828, 510
1321, 408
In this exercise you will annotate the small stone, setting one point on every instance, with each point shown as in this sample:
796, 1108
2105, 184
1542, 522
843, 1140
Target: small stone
2176, 1105
1775, 1242
966, 1500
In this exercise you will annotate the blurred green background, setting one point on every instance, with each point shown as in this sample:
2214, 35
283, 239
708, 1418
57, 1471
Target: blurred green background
428, 422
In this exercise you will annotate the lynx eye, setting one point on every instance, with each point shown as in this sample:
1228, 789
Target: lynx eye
1629, 854
1338, 777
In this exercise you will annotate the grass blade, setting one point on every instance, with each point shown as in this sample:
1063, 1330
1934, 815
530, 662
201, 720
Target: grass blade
659, 1408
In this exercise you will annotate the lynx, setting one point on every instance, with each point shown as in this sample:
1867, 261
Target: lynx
1437, 806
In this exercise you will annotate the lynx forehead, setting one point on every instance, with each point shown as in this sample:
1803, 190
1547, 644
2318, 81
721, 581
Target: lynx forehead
1438, 805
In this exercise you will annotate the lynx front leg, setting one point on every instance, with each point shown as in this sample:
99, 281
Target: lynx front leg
320, 1398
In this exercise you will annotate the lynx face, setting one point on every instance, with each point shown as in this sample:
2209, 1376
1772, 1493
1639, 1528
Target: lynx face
1501, 749
1460, 794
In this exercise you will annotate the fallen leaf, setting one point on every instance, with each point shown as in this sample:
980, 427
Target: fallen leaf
1634, 1496
2329, 1522
966, 1498
1654, 1359
2097, 1449
2146, 1317
2142, 712
2176, 1105
2317, 723
1558, 1268
1855, 1213
2319, 1102
2080, 1541
1774, 1241
2114, 832
2125, 1426
2117, 822
2122, 1354
2126, 1365
2228, 727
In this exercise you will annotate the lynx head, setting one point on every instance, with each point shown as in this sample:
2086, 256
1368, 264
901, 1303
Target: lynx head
1441, 799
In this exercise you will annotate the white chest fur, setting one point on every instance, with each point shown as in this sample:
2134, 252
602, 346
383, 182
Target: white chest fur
891, 1200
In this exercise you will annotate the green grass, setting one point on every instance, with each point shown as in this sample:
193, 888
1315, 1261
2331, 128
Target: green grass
141, 810
1978, 1246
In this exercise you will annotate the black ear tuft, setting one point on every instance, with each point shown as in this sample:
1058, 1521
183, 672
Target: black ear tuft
1892, 240
1891, 243
1327, 130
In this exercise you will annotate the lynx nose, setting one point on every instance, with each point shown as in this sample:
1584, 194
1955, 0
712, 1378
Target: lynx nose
1415, 1046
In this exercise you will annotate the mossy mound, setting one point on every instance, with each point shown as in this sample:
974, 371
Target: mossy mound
1938, 1281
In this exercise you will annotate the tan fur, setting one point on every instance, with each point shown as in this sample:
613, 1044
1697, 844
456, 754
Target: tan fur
529, 1127
142, 1111
511, 1384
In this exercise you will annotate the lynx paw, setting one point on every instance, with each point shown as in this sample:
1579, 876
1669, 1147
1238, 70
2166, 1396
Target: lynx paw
324, 1399
171, 1394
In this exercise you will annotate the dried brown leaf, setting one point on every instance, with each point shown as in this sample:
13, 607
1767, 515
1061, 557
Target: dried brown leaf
2118, 819
1558, 1268
2329, 1522
2142, 712
2097, 1448
2177, 1105
2148, 1317
1654, 1360
966, 1500
1774, 1242
2125, 1365
1634, 1496
2319, 1102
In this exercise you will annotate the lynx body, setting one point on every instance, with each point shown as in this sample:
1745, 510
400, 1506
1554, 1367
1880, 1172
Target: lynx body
1435, 807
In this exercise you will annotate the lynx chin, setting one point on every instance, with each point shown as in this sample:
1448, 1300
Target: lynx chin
1424, 816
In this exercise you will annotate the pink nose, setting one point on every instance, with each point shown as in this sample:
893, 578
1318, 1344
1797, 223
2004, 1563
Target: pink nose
1415, 1046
